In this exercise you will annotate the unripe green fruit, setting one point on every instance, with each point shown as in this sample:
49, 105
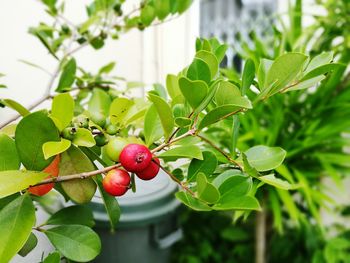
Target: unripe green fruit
114, 148
101, 139
111, 129
99, 119
69, 133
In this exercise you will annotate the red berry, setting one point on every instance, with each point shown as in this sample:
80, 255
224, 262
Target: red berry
135, 157
116, 182
53, 170
151, 170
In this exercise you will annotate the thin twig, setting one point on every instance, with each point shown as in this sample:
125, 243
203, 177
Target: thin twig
228, 157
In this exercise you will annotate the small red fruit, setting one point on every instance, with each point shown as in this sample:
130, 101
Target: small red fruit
53, 170
116, 182
151, 170
135, 157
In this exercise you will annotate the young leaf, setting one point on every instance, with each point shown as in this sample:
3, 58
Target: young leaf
193, 91
192, 202
319, 60
75, 242
276, 182
188, 151
248, 75
83, 137
206, 191
199, 70
72, 215
16, 222
164, 112
74, 161
321, 70
31, 133
68, 76
264, 158
206, 166
14, 181
152, 126
99, 103
9, 159
53, 148
172, 86
211, 60
15, 106
119, 109
62, 110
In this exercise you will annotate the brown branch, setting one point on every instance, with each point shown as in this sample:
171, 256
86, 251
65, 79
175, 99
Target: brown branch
228, 157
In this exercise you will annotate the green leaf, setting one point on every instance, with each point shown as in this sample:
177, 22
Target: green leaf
306, 84
32, 132
172, 86
206, 166
164, 112
319, 60
99, 103
162, 8
62, 110
192, 202
199, 70
220, 52
107, 68
119, 109
83, 137
283, 70
74, 161
220, 113
16, 222
14, 181
183, 121
15, 106
193, 91
152, 126
211, 60
321, 70
248, 75
75, 242
30, 244
9, 159
110, 203
188, 151
264, 67
276, 182
206, 191
264, 158
68, 76
183, 5
233, 184
53, 148
54, 257
72, 215
228, 93
245, 202
148, 14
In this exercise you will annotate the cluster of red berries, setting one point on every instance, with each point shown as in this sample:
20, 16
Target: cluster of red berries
134, 158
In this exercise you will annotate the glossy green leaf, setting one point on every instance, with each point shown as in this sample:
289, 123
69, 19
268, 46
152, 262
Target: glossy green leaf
53, 148
152, 126
162, 8
75, 242
319, 60
164, 112
16, 222
83, 137
220, 52
283, 70
276, 182
222, 112
62, 110
233, 184
199, 70
206, 166
192, 202
229, 202
110, 203
54, 257
9, 159
221, 178
206, 191
30, 244
306, 84
193, 91
187, 151
74, 161
119, 109
183, 5
99, 103
136, 111
67, 76
172, 86
211, 60
248, 75
321, 70
183, 121
14, 181
264, 67
15, 106
264, 158
31, 133
72, 215
228, 93
148, 14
